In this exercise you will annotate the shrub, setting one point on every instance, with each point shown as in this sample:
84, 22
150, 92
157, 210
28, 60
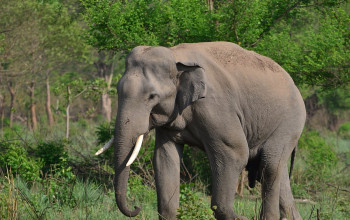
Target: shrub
53, 154
59, 177
197, 164
344, 130
16, 158
137, 188
143, 165
320, 157
104, 133
87, 193
83, 123
11, 133
192, 206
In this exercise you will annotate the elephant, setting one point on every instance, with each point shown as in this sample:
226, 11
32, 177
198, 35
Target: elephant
241, 108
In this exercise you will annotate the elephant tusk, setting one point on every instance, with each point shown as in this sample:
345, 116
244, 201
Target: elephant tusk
136, 150
105, 147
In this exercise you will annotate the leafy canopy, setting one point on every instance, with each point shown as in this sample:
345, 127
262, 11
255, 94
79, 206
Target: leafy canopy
309, 38
123, 25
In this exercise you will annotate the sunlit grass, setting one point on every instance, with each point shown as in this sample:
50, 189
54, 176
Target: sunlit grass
87, 197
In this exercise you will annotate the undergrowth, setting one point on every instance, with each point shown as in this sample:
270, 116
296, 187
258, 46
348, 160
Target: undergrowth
55, 178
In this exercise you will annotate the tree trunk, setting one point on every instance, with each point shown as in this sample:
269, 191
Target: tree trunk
29, 125
106, 106
211, 5
48, 100
67, 111
2, 113
32, 106
12, 91
106, 100
105, 71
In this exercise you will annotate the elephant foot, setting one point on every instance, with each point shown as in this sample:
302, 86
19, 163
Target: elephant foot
241, 218
221, 214
235, 217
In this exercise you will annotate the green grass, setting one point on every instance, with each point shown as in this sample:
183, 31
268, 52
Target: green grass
89, 194
92, 201
86, 200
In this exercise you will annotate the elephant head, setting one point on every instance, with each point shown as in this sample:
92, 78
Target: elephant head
153, 91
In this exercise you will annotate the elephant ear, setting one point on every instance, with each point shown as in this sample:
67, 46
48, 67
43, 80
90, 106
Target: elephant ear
191, 85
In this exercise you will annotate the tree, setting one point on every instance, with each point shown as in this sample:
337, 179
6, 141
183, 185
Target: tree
41, 37
309, 38
71, 86
60, 43
313, 46
105, 65
122, 25
14, 25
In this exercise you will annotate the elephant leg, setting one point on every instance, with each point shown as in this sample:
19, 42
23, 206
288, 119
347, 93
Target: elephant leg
274, 158
288, 208
270, 185
227, 162
167, 157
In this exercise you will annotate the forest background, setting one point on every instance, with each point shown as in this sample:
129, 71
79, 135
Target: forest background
60, 61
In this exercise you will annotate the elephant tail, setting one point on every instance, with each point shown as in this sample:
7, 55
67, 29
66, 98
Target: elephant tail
292, 162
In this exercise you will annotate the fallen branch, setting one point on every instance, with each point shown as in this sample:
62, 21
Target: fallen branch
305, 201
341, 189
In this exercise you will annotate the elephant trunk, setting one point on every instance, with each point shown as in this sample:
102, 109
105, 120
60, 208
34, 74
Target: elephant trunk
126, 133
121, 178
120, 186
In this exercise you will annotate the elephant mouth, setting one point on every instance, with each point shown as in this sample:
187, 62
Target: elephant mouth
151, 121
155, 120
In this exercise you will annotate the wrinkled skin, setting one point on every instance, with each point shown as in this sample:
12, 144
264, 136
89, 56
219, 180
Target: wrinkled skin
241, 108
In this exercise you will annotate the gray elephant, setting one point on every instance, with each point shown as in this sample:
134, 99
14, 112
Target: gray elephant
241, 108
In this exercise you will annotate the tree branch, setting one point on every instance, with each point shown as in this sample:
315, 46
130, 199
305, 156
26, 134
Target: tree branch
275, 21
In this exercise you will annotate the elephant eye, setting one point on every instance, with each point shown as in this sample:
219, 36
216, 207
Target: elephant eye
152, 96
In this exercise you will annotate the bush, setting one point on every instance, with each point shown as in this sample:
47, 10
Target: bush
320, 157
16, 158
52, 154
197, 164
192, 205
344, 130
104, 133
11, 133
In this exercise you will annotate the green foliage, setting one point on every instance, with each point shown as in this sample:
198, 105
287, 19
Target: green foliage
136, 187
336, 101
86, 193
192, 204
12, 133
53, 155
71, 85
143, 165
122, 25
57, 195
234, 25
2, 43
320, 157
308, 38
16, 159
59, 179
312, 45
197, 164
344, 130
36, 203
104, 132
